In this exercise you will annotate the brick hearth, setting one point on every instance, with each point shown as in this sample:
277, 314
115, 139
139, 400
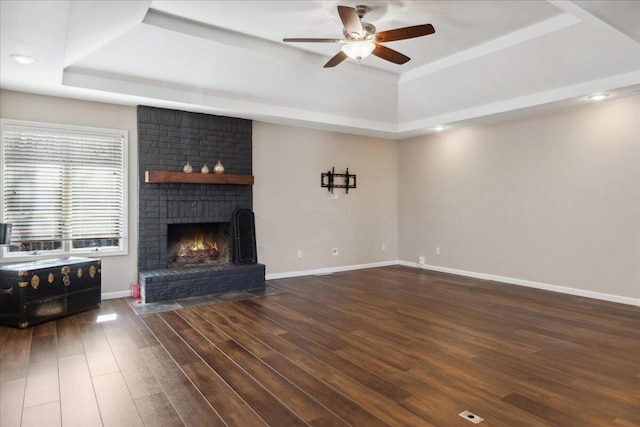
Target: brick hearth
176, 283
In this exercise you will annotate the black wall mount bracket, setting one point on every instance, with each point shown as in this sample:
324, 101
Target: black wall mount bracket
344, 180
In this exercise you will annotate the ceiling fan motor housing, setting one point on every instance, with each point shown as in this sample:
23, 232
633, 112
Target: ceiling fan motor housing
369, 32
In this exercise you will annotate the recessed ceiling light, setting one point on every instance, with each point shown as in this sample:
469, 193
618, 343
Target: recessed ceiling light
598, 96
22, 59
439, 128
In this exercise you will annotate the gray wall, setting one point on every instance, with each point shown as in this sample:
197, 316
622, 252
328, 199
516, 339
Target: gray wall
294, 213
553, 199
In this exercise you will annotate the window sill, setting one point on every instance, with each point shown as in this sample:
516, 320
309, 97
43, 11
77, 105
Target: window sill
4, 259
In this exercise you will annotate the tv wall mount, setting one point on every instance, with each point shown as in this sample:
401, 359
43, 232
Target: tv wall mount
331, 180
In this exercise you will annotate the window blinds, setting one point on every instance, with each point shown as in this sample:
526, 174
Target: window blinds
62, 183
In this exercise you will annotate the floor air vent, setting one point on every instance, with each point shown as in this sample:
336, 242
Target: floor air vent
471, 417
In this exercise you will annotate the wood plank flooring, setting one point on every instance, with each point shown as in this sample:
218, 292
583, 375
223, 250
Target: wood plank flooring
387, 346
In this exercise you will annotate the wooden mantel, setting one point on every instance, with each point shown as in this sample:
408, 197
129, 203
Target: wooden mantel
163, 177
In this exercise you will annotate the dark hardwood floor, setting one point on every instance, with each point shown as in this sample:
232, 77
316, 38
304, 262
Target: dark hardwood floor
386, 346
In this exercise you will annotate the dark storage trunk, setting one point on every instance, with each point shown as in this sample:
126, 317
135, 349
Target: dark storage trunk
39, 291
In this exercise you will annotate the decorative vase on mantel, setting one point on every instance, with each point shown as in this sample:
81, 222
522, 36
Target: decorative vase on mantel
187, 168
204, 169
218, 168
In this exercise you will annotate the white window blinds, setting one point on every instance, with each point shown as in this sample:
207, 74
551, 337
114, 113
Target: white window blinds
63, 183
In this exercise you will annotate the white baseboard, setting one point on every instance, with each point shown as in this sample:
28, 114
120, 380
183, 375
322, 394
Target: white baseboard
328, 270
529, 283
484, 276
114, 295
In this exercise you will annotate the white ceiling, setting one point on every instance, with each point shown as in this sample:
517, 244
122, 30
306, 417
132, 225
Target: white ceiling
488, 60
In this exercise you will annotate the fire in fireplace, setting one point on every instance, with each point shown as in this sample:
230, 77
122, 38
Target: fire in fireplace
197, 244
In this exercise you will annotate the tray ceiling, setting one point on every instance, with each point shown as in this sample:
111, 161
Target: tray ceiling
487, 60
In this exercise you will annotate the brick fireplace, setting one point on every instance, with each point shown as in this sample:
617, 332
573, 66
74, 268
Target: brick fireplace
167, 139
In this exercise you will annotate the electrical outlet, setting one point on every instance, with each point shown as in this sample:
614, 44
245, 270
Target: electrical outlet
384, 247
437, 250
334, 251
299, 253
421, 260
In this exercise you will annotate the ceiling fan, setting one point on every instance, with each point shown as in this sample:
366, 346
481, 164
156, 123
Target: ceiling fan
361, 38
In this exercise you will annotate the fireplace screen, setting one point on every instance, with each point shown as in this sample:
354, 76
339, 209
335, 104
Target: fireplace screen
198, 244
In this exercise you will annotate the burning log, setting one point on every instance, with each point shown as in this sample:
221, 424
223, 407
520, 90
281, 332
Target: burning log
194, 259
195, 251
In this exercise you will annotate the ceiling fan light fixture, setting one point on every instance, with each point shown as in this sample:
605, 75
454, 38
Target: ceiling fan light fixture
358, 50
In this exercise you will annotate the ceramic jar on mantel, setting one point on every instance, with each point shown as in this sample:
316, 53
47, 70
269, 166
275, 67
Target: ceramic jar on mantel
187, 168
218, 168
204, 169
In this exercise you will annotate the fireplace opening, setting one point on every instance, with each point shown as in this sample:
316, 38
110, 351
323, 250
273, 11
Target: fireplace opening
196, 244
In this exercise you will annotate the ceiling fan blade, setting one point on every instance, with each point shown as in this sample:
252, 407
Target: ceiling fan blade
405, 33
338, 58
306, 40
351, 21
390, 54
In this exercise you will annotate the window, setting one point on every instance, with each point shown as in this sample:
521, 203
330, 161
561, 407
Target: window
63, 189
